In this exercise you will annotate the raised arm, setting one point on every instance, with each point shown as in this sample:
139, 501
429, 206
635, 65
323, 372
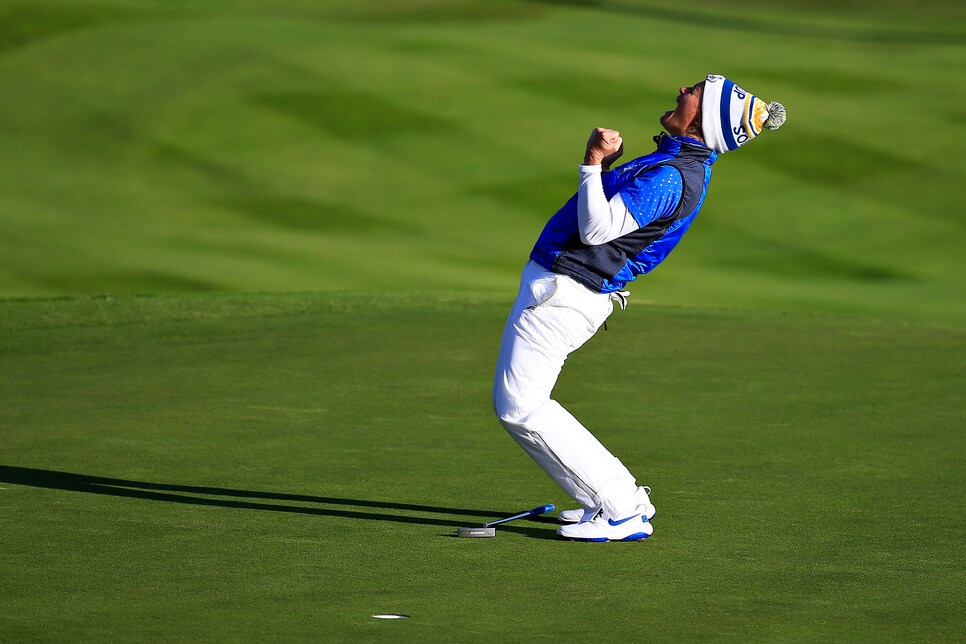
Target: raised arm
600, 220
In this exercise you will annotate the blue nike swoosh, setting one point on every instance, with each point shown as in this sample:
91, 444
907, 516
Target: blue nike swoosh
615, 523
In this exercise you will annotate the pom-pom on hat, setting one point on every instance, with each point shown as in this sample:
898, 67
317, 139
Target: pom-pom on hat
730, 116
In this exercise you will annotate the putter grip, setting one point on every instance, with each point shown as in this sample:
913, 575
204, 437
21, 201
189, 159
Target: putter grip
541, 510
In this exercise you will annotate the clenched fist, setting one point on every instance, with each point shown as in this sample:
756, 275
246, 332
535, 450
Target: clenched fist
603, 147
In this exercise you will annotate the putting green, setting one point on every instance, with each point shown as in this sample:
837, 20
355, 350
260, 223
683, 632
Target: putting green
286, 466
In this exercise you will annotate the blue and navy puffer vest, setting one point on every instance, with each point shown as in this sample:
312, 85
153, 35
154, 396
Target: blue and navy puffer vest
608, 267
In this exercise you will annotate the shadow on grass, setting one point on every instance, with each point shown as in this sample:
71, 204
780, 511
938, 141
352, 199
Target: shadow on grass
188, 494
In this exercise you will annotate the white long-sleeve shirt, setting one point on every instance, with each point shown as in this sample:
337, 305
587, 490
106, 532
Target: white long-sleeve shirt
600, 220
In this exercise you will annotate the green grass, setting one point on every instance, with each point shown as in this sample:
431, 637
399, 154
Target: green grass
155, 146
284, 466
329, 204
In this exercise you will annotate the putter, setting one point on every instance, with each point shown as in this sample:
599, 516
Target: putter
487, 530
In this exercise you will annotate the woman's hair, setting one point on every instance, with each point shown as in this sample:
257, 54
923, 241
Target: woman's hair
694, 128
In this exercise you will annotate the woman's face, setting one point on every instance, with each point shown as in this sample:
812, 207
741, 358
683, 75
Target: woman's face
678, 120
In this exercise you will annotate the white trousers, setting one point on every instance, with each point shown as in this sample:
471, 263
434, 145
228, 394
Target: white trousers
554, 315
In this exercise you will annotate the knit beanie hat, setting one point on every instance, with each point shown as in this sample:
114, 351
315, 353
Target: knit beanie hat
730, 116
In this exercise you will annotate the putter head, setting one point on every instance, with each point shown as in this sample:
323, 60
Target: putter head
476, 533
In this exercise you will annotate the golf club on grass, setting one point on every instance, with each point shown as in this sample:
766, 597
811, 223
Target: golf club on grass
487, 530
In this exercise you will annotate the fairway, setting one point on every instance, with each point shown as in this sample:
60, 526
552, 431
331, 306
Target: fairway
303, 145
285, 466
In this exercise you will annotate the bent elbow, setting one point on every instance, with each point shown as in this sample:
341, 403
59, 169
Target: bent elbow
592, 238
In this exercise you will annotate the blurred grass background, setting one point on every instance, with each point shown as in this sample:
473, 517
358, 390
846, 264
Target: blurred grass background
199, 145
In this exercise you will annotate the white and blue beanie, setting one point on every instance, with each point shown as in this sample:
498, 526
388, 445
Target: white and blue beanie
730, 116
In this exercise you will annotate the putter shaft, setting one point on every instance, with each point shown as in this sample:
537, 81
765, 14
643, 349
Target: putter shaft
529, 513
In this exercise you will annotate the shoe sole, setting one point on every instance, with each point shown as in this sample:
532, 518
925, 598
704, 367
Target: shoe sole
566, 522
637, 536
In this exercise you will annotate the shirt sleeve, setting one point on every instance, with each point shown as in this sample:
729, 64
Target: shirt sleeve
653, 195
600, 220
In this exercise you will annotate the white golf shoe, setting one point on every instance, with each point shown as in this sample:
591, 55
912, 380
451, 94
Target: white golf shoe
632, 528
586, 514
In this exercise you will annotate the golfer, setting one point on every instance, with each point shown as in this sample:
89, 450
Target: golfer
621, 223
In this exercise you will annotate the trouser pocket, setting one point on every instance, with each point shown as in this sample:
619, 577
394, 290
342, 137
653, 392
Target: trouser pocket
568, 310
543, 291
